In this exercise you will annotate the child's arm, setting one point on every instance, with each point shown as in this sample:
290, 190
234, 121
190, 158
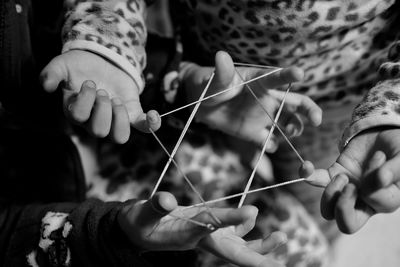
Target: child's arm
95, 233
102, 42
365, 177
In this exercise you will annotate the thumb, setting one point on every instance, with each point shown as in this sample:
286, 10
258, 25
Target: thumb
155, 208
54, 73
140, 120
319, 178
224, 76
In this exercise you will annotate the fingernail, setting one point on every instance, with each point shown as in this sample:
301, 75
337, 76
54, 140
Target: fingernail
102, 92
152, 116
89, 84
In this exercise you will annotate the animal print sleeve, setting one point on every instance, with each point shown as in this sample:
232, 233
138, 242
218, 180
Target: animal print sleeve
381, 106
113, 29
64, 234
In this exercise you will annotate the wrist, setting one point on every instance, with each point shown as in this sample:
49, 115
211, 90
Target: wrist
123, 227
368, 125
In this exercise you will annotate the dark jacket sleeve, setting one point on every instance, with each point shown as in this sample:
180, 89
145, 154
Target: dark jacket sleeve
64, 234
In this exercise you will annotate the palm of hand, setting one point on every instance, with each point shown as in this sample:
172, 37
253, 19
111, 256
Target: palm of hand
241, 116
174, 233
158, 231
98, 95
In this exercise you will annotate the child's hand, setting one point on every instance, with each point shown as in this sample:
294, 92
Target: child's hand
97, 95
154, 225
227, 243
236, 112
365, 179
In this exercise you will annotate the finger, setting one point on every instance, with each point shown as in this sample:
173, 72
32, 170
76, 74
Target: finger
141, 121
268, 262
244, 218
351, 215
120, 127
54, 73
302, 104
153, 120
223, 79
294, 125
306, 169
100, 120
79, 106
319, 178
376, 161
371, 183
331, 195
259, 138
268, 244
389, 172
246, 257
280, 78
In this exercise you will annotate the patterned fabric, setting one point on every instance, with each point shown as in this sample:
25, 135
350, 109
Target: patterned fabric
327, 39
113, 29
339, 44
381, 105
54, 232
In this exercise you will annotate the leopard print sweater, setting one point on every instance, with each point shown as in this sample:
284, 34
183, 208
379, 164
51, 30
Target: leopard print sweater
339, 44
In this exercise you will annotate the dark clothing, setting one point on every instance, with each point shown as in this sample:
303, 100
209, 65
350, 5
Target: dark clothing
44, 218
